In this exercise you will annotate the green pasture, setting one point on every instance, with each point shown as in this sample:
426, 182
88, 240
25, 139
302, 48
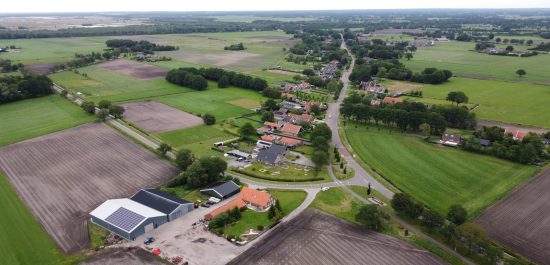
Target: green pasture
198, 139
460, 58
337, 202
22, 239
513, 102
30, 118
435, 175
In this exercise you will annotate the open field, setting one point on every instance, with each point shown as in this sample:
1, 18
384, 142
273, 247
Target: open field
104, 84
460, 58
23, 241
156, 117
521, 221
314, 237
38, 22
521, 103
67, 174
134, 69
285, 173
435, 175
203, 135
30, 118
337, 202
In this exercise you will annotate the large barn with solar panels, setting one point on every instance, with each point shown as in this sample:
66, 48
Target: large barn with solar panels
145, 211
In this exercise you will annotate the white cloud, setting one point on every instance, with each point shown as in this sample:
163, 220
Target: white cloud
235, 5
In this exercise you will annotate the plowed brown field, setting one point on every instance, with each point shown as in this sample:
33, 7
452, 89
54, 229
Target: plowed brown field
62, 176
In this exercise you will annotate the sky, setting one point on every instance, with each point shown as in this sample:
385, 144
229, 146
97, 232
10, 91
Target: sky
23, 6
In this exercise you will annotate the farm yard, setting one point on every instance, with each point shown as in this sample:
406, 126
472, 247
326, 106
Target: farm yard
462, 60
30, 118
156, 117
520, 222
318, 238
435, 175
68, 173
521, 103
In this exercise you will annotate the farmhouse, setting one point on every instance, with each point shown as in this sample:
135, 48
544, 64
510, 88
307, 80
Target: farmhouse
372, 88
222, 190
450, 139
291, 129
272, 156
146, 210
256, 200
393, 100
237, 202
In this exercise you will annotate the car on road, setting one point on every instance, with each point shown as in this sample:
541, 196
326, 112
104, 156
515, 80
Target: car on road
149, 240
325, 188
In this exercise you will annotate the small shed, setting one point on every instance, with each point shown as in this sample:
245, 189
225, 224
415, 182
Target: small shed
222, 190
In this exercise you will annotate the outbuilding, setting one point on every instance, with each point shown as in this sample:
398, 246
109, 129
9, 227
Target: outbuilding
127, 218
163, 202
222, 190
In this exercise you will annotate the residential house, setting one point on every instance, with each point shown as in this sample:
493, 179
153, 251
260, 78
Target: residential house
291, 129
292, 105
372, 87
517, 135
289, 142
280, 114
257, 200
273, 155
297, 119
450, 139
289, 96
375, 102
237, 202
392, 100
268, 138
269, 127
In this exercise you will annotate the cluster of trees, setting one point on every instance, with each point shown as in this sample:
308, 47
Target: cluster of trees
393, 69
13, 88
235, 47
126, 46
187, 77
105, 107
481, 46
196, 78
372, 217
224, 219
320, 137
468, 238
526, 151
86, 59
6, 66
542, 47
198, 172
275, 212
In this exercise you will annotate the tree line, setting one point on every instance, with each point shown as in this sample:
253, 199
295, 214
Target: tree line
407, 115
14, 88
6, 66
125, 46
526, 151
395, 70
196, 78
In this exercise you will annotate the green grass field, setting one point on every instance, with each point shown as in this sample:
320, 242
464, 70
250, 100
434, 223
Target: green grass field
22, 240
337, 202
513, 102
198, 139
288, 173
460, 59
437, 176
30, 118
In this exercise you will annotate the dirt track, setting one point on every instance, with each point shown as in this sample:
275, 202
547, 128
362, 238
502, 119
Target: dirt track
314, 237
62, 176
157, 117
521, 221
134, 69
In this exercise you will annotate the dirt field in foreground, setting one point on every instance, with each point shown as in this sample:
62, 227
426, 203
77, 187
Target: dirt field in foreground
521, 221
134, 69
62, 176
314, 237
157, 117
129, 256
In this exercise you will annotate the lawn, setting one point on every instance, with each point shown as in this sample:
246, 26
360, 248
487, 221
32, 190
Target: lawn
460, 58
22, 240
198, 139
289, 200
337, 202
30, 118
285, 173
512, 102
437, 176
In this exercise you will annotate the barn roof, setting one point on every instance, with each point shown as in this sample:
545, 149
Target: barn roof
158, 200
124, 213
225, 188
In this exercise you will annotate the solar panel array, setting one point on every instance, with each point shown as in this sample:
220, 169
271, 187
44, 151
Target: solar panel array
125, 219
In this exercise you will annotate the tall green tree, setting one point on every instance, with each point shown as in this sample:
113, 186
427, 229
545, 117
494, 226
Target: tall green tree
184, 158
457, 97
247, 130
457, 214
371, 217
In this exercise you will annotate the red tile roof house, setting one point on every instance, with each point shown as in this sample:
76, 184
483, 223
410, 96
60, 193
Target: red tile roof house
269, 127
393, 100
237, 202
291, 129
289, 142
297, 119
289, 96
518, 135
256, 200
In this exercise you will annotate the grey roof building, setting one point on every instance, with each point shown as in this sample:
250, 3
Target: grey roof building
272, 155
163, 202
222, 190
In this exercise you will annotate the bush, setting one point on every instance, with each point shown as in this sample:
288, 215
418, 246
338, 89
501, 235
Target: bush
88, 106
104, 104
260, 228
208, 119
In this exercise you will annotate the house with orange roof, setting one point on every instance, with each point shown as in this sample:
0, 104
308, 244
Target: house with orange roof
291, 129
517, 135
267, 138
393, 100
237, 202
256, 200
289, 142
